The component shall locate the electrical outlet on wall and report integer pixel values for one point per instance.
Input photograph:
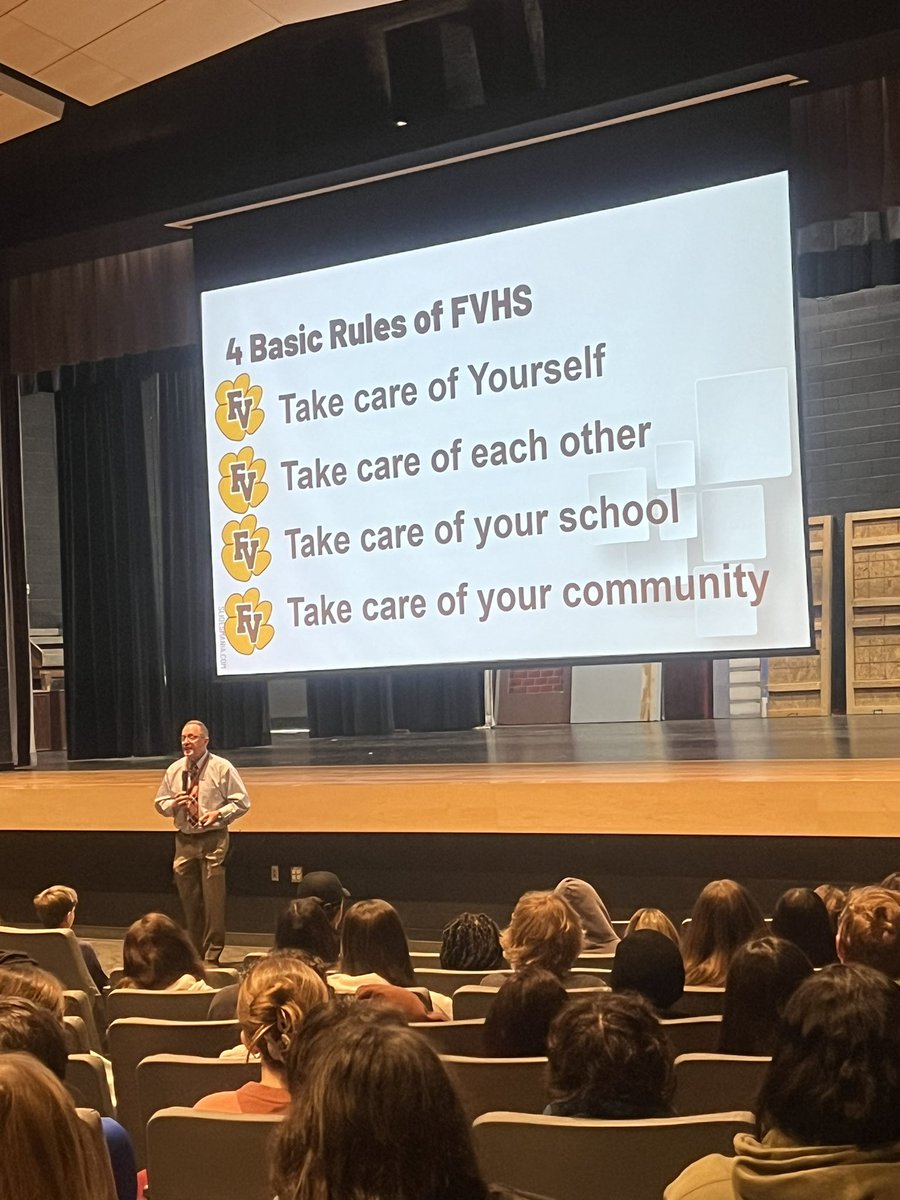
(296, 874)
(274, 873)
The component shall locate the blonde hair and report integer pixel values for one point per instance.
(653, 918)
(34, 983)
(544, 931)
(47, 1154)
(274, 999)
(869, 930)
(54, 904)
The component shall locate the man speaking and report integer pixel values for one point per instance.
(203, 794)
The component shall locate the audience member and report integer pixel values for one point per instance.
(27, 1027)
(325, 886)
(48, 1152)
(869, 930)
(373, 1115)
(801, 917)
(276, 995)
(763, 975)
(892, 881)
(55, 909)
(304, 925)
(652, 918)
(649, 963)
(471, 942)
(544, 932)
(520, 1015)
(829, 1109)
(159, 956)
(301, 925)
(34, 983)
(610, 1058)
(834, 899)
(725, 916)
(592, 913)
(374, 950)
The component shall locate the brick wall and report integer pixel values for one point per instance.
(850, 400)
(536, 680)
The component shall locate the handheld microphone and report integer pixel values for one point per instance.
(185, 780)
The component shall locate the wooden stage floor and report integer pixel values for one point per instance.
(838, 778)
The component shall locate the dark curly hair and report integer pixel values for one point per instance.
(610, 1058)
(835, 1073)
(471, 942)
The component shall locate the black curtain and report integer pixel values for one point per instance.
(371, 702)
(137, 592)
(115, 673)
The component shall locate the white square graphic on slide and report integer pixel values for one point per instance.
(744, 426)
(686, 525)
(731, 616)
(620, 489)
(733, 522)
(674, 463)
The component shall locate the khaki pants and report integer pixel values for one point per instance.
(200, 878)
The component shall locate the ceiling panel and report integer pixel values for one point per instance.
(77, 22)
(175, 34)
(85, 79)
(25, 49)
(17, 118)
(290, 11)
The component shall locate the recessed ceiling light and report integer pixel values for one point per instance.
(401, 124)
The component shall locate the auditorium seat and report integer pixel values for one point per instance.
(706, 1083)
(180, 1080)
(159, 1006)
(453, 1037)
(447, 982)
(87, 1083)
(572, 1159)
(216, 977)
(209, 1156)
(77, 1038)
(57, 951)
(79, 1004)
(694, 1035)
(470, 1001)
(702, 1001)
(498, 1084)
(134, 1038)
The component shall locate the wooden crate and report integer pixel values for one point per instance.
(800, 685)
(872, 615)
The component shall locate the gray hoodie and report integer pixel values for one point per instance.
(592, 915)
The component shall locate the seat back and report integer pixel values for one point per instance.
(473, 1001)
(708, 1083)
(446, 982)
(180, 1080)
(693, 1035)
(592, 960)
(702, 1002)
(88, 1085)
(209, 1156)
(80, 1004)
(57, 951)
(429, 960)
(77, 1039)
(571, 1159)
(134, 1038)
(159, 1006)
(498, 1084)
(453, 1037)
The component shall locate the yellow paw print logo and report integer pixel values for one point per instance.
(237, 407)
(244, 552)
(247, 621)
(241, 485)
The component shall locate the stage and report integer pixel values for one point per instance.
(440, 822)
